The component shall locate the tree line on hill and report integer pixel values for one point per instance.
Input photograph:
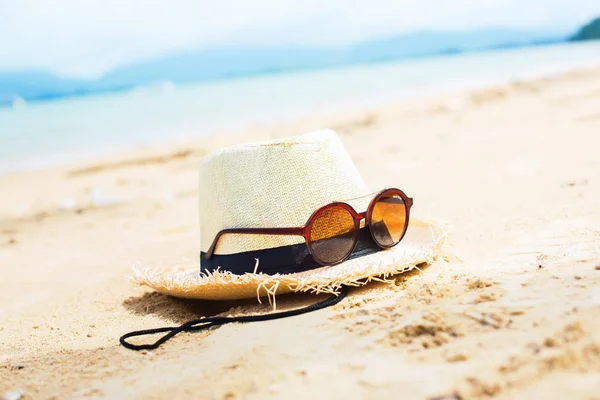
(590, 31)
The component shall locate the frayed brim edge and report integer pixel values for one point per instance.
(185, 281)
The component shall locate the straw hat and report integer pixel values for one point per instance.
(281, 183)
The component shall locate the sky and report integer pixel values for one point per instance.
(86, 38)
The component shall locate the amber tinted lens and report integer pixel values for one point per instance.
(388, 220)
(332, 235)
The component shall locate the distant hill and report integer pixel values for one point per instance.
(428, 43)
(41, 86)
(236, 62)
(35, 84)
(227, 63)
(590, 31)
(223, 63)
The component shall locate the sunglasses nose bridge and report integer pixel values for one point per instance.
(360, 217)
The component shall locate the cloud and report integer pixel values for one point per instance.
(88, 37)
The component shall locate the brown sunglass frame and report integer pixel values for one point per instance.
(304, 231)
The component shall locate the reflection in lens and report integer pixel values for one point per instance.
(388, 220)
(332, 235)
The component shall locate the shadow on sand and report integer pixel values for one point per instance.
(182, 310)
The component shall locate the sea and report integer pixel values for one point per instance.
(37, 135)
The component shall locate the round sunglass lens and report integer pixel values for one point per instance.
(388, 220)
(332, 235)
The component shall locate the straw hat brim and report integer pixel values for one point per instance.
(422, 244)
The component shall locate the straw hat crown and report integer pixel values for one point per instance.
(270, 185)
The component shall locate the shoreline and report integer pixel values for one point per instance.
(155, 147)
(82, 133)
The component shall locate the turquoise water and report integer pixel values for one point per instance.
(72, 129)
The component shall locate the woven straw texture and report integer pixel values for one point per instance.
(271, 185)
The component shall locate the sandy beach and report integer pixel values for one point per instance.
(510, 310)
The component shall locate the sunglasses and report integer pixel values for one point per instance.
(332, 231)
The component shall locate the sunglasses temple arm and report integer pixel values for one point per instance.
(297, 231)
